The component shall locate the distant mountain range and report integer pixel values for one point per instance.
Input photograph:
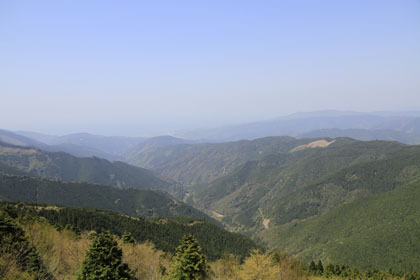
(391, 126)
(316, 191)
(300, 123)
(365, 135)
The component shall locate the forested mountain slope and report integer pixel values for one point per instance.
(74, 169)
(194, 164)
(133, 202)
(164, 233)
(309, 202)
(382, 230)
(263, 189)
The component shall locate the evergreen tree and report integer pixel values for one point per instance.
(320, 268)
(189, 262)
(14, 244)
(104, 261)
(127, 238)
(312, 267)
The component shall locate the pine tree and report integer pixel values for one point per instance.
(127, 238)
(320, 268)
(104, 261)
(14, 244)
(189, 262)
(312, 267)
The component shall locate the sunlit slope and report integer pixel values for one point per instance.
(278, 187)
(195, 164)
(382, 230)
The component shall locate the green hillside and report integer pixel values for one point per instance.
(194, 164)
(310, 202)
(270, 188)
(350, 183)
(69, 168)
(164, 233)
(133, 202)
(382, 230)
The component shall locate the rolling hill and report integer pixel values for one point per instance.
(195, 164)
(329, 199)
(164, 233)
(379, 231)
(137, 203)
(260, 189)
(69, 168)
(25, 140)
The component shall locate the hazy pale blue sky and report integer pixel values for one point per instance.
(141, 67)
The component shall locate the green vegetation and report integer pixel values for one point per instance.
(104, 261)
(304, 202)
(17, 255)
(165, 233)
(194, 164)
(143, 203)
(334, 200)
(380, 231)
(69, 168)
(270, 188)
(64, 254)
(189, 262)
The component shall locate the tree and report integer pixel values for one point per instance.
(16, 252)
(127, 238)
(189, 262)
(320, 268)
(312, 267)
(262, 266)
(103, 261)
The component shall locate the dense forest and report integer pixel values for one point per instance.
(133, 202)
(68, 168)
(50, 242)
(345, 203)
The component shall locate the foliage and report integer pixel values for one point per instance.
(145, 203)
(145, 261)
(104, 261)
(347, 272)
(68, 168)
(165, 233)
(62, 253)
(16, 253)
(278, 184)
(189, 262)
(379, 231)
(128, 238)
(196, 164)
(265, 266)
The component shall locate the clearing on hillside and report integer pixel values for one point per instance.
(315, 144)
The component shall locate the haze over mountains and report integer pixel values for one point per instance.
(399, 126)
(300, 123)
(316, 191)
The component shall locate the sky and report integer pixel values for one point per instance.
(140, 68)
